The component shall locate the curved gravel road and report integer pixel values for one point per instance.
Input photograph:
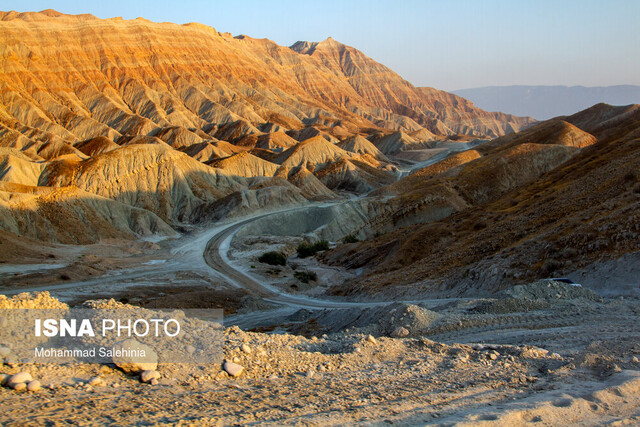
(215, 255)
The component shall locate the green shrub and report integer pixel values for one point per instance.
(308, 249)
(273, 258)
(351, 238)
(306, 276)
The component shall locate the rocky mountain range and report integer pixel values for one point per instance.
(128, 128)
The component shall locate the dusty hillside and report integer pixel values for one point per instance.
(247, 165)
(360, 145)
(522, 211)
(72, 216)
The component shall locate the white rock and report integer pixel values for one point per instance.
(18, 386)
(146, 361)
(190, 349)
(400, 332)
(22, 377)
(635, 359)
(148, 376)
(96, 382)
(34, 386)
(245, 348)
(154, 381)
(4, 351)
(232, 369)
(371, 339)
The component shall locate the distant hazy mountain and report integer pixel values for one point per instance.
(544, 102)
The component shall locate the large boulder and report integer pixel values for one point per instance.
(134, 357)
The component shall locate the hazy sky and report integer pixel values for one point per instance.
(445, 44)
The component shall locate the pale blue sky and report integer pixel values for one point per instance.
(445, 44)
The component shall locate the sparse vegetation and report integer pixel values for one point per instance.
(550, 266)
(273, 258)
(309, 249)
(479, 225)
(306, 276)
(351, 238)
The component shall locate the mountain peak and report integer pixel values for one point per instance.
(308, 48)
(304, 47)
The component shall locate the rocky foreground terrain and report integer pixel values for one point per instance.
(353, 376)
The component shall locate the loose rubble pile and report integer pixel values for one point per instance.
(41, 300)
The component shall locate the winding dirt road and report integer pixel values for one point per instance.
(215, 257)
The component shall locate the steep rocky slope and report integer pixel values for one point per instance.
(360, 145)
(72, 216)
(520, 211)
(82, 77)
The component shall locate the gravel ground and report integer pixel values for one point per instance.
(352, 377)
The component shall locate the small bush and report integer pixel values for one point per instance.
(306, 276)
(550, 266)
(351, 238)
(479, 225)
(309, 249)
(273, 258)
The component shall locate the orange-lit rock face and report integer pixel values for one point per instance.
(134, 126)
(73, 78)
